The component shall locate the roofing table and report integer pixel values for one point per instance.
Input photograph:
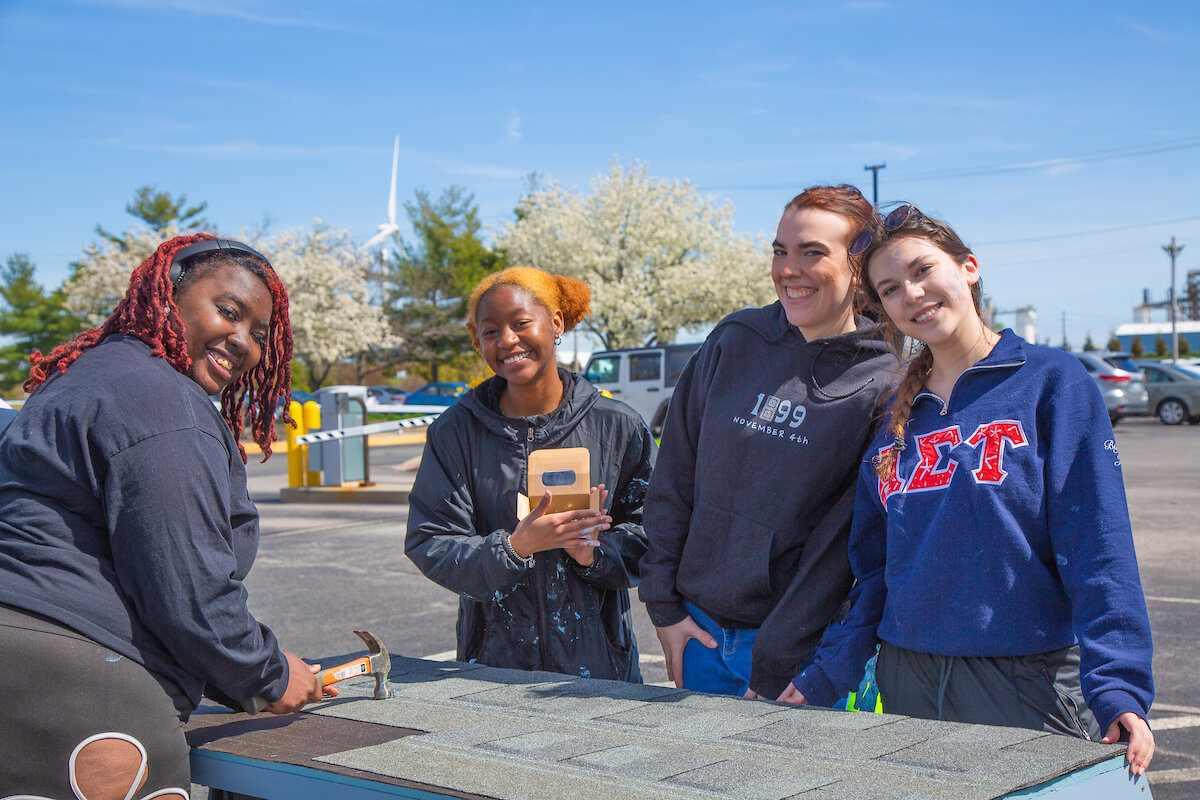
(469, 731)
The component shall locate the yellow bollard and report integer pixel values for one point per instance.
(312, 422)
(296, 454)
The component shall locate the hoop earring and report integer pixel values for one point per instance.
(557, 341)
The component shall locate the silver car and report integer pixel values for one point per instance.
(1124, 391)
(1174, 391)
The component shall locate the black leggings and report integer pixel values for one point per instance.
(62, 689)
(1038, 691)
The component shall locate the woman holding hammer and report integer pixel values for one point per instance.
(126, 529)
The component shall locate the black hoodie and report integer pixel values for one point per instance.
(557, 615)
(749, 508)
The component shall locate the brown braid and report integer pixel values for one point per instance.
(942, 236)
(146, 313)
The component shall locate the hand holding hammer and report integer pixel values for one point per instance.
(308, 683)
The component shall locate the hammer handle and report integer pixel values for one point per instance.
(351, 669)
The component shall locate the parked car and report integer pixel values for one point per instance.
(643, 377)
(443, 393)
(1174, 391)
(386, 395)
(1124, 390)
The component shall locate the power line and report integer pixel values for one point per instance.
(1091, 232)
(969, 172)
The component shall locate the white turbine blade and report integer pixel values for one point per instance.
(378, 238)
(392, 195)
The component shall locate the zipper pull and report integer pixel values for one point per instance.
(530, 434)
(945, 410)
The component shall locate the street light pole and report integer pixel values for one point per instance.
(875, 182)
(1173, 250)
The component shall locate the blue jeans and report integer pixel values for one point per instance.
(725, 669)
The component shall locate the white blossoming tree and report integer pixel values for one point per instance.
(325, 272)
(323, 268)
(101, 277)
(658, 256)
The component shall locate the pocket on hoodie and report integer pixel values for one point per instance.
(726, 564)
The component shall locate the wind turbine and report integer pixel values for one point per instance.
(389, 228)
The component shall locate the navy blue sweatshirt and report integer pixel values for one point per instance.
(1002, 531)
(124, 515)
(748, 513)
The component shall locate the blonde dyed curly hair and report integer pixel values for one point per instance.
(555, 292)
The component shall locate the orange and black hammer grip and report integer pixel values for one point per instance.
(351, 669)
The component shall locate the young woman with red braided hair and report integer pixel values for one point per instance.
(533, 594)
(991, 537)
(126, 529)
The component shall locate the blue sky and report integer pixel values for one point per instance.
(1024, 124)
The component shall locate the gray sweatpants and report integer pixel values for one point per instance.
(1039, 691)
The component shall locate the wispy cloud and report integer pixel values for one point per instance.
(244, 148)
(1145, 30)
(933, 100)
(230, 149)
(226, 10)
(514, 127)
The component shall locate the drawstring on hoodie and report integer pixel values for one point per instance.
(812, 375)
(947, 666)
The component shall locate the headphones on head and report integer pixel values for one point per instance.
(193, 250)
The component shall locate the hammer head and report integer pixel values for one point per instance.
(381, 663)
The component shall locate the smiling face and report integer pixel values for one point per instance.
(925, 292)
(811, 270)
(226, 313)
(516, 335)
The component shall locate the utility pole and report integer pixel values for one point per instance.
(1065, 345)
(875, 182)
(1173, 250)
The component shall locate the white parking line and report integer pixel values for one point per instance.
(1176, 709)
(1189, 600)
(1175, 723)
(1183, 775)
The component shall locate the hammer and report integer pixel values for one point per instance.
(376, 662)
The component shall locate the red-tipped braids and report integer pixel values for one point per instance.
(148, 312)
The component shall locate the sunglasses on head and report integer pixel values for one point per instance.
(891, 222)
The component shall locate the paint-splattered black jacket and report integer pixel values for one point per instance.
(555, 615)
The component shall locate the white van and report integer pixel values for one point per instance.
(643, 377)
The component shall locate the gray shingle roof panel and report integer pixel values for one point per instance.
(508, 734)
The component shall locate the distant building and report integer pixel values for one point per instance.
(1149, 331)
(1187, 318)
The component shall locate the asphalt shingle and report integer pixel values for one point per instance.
(508, 734)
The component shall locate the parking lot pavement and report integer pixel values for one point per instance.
(325, 570)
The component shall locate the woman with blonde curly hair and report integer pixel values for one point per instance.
(536, 593)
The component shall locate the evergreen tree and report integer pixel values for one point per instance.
(1088, 346)
(1160, 346)
(1114, 344)
(31, 317)
(158, 210)
(424, 291)
(1185, 349)
(1136, 348)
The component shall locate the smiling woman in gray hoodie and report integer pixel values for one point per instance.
(748, 513)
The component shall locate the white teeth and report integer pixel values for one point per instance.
(515, 359)
(796, 293)
(925, 314)
(222, 362)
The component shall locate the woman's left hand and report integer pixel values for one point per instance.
(1141, 741)
(584, 553)
(792, 695)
